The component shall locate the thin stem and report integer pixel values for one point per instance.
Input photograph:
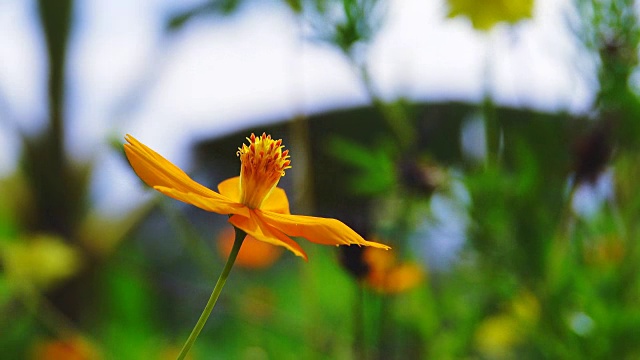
(240, 235)
(397, 122)
(384, 340)
(490, 117)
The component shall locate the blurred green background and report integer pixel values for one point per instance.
(514, 230)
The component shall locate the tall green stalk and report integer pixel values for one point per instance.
(240, 235)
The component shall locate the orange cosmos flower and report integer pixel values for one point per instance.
(253, 201)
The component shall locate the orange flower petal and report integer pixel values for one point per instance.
(159, 173)
(230, 188)
(155, 170)
(255, 227)
(220, 206)
(254, 254)
(316, 229)
(276, 201)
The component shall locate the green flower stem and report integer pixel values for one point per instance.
(240, 235)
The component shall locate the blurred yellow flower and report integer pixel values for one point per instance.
(526, 307)
(253, 201)
(253, 255)
(497, 335)
(385, 275)
(484, 15)
(40, 260)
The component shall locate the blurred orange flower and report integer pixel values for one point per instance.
(74, 348)
(255, 204)
(387, 276)
(254, 255)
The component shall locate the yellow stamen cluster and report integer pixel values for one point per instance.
(263, 164)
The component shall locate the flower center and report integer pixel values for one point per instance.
(263, 164)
